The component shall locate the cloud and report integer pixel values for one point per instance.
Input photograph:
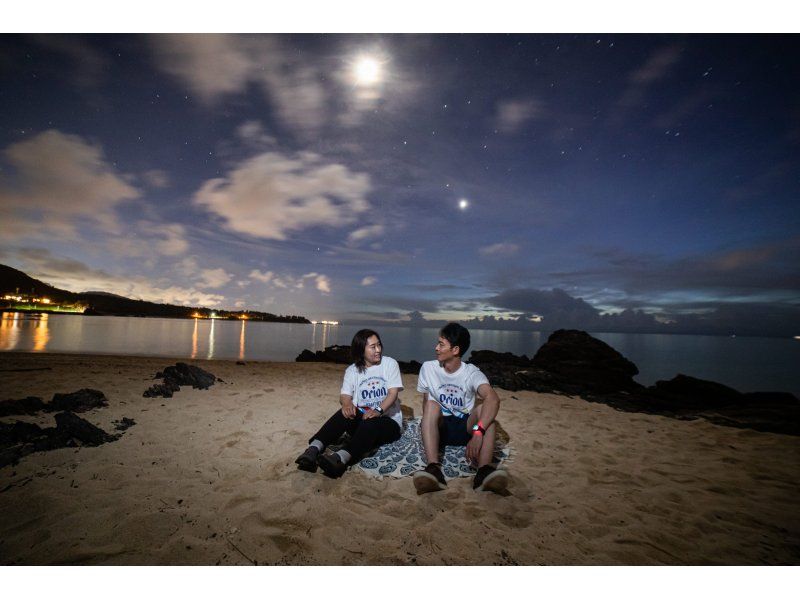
(322, 282)
(271, 195)
(72, 275)
(499, 249)
(218, 65)
(59, 180)
(214, 278)
(556, 307)
(252, 134)
(89, 63)
(368, 281)
(260, 276)
(657, 66)
(366, 232)
(512, 115)
(157, 179)
(172, 241)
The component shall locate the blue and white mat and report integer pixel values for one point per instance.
(406, 455)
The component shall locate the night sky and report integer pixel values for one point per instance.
(607, 182)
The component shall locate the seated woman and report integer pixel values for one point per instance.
(370, 409)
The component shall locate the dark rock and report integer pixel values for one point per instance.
(71, 427)
(479, 358)
(409, 367)
(123, 424)
(162, 390)
(26, 406)
(18, 432)
(79, 401)
(772, 398)
(579, 360)
(332, 354)
(241, 363)
(180, 374)
(22, 438)
(686, 391)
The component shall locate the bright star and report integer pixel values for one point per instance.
(463, 204)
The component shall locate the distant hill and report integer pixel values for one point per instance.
(13, 281)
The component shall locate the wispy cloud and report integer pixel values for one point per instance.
(271, 195)
(218, 65)
(57, 181)
(368, 281)
(499, 250)
(513, 115)
(367, 232)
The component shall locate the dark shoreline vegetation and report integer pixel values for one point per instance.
(573, 363)
(108, 304)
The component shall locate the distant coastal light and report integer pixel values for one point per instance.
(325, 322)
(797, 338)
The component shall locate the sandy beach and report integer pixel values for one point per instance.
(207, 477)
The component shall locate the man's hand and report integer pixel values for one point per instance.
(370, 413)
(474, 447)
(348, 408)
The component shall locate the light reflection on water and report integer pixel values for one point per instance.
(747, 364)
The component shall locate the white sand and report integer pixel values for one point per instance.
(208, 477)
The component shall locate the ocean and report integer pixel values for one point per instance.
(744, 363)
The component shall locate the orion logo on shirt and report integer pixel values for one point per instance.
(373, 389)
(451, 395)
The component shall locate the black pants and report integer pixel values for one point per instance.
(365, 434)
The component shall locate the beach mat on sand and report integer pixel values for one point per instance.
(406, 455)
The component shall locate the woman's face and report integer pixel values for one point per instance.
(373, 350)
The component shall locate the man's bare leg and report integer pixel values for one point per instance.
(495, 481)
(431, 417)
(431, 478)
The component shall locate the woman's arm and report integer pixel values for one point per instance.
(391, 397)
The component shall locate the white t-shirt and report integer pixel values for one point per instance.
(454, 392)
(370, 387)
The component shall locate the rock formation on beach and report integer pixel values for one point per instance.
(180, 374)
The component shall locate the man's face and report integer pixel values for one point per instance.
(444, 350)
(373, 350)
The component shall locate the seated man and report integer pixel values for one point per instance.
(451, 417)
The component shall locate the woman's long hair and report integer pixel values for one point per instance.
(358, 346)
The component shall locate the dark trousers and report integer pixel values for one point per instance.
(365, 434)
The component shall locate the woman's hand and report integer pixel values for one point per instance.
(370, 413)
(348, 408)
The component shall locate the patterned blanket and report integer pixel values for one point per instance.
(406, 455)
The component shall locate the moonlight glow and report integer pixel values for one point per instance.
(367, 71)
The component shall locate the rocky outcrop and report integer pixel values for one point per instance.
(180, 374)
(79, 401)
(578, 360)
(332, 354)
(22, 438)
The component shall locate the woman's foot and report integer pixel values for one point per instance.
(308, 460)
(332, 465)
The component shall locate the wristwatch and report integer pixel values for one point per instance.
(478, 429)
(379, 409)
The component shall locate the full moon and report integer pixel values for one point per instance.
(463, 204)
(367, 71)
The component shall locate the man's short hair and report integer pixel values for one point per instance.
(457, 336)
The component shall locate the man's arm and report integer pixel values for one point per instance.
(491, 404)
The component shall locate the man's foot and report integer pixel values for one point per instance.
(332, 465)
(308, 460)
(490, 478)
(430, 479)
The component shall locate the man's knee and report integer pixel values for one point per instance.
(431, 411)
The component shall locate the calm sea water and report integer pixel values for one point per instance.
(747, 364)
